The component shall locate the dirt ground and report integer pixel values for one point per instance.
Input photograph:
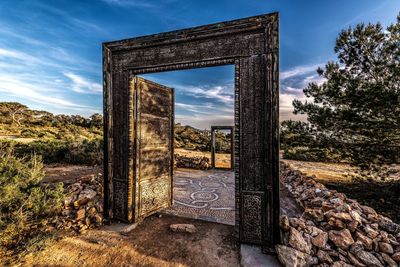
(152, 243)
(69, 173)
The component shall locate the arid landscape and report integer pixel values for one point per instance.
(316, 180)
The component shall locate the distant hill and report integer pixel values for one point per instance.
(20, 123)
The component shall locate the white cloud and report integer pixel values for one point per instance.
(298, 71)
(37, 93)
(17, 55)
(205, 122)
(222, 93)
(292, 83)
(82, 85)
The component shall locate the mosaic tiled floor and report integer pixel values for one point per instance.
(206, 195)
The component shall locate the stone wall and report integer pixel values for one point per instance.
(201, 163)
(83, 206)
(334, 230)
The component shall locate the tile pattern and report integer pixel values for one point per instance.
(207, 195)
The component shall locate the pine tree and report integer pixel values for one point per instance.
(357, 108)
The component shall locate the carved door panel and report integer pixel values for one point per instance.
(153, 145)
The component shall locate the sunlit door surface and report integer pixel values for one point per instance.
(154, 120)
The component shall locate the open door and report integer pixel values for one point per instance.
(153, 146)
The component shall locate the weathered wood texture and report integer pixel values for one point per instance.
(250, 44)
(154, 124)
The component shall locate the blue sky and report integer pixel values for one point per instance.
(50, 51)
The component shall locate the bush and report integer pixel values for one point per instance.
(312, 154)
(29, 133)
(24, 200)
(88, 152)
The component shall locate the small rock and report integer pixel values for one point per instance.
(396, 256)
(356, 216)
(355, 261)
(98, 218)
(297, 241)
(314, 214)
(320, 240)
(389, 260)
(341, 264)
(352, 226)
(385, 248)
(342, 238)
(356, 247)
(343, 216)
(389, 226)
(284, 223)
(336, 201)
(183, 228)
(368, 258)
(371, 232)
(368, 210)
(374, 226)
(84, 197)
(80, 214)
(291, 257)
(366, 241)
(324, 257)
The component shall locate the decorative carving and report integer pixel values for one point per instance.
(252, 45)
(154, 194)
(120, 199)
(252, 220)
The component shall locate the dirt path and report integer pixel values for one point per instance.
(70, 173)
(150, 244)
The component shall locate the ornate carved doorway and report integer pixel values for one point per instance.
(251, 44)
(214, 129)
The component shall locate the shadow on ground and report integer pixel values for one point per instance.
(150, 244)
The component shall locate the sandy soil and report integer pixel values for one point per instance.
(69, 173)
(325, 172)
(150, 244)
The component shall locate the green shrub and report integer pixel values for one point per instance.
(312, 154)
(85, 152)
(88, 152)
(29, 133)
(24, 200)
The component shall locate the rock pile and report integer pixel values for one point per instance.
(201, 163)
(334, 230)
(83, 206)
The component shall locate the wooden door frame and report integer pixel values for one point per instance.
(252, 45)
(213, 129)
